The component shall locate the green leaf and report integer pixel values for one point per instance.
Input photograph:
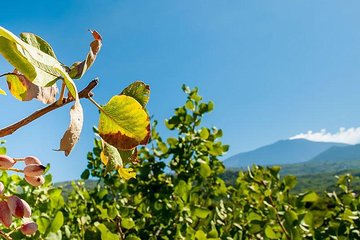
(54, 236)
(182, 190)
(269, 232)
(200, 235)
(113, 158)
(124, 123)
(37, 66)
(85, 174)
(57, 222)
(37, 42)
(2, 150)
(290, 182)
(310, 197)
(43, 224)
(204, 133)
(253, 217)
(290, 217)
(127, 223)
(132, 237)
(56, 199)
(201, 212)
(105, 232)
(205, 170)
(139, 91)
(190, 105)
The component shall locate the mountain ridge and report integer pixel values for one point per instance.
(280, 153)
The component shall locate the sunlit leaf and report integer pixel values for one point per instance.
(124, 123)
(127, 173)
(105, 232)
(37, 66)
(57, 222)
(2, 92)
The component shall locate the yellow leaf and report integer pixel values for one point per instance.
(127, 173)
(124, 123)
(103, 158)
(2, 92)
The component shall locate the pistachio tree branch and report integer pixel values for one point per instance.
(85, 93)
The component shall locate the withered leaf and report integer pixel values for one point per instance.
(24, 90)
(78, 69)
(72, 134)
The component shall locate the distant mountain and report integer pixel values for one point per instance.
(333, 160)
(338, 154)
(281, 152)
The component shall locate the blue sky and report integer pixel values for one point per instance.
(274, 69)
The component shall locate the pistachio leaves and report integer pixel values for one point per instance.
(34, 64)
(123, 125)
(36, 72)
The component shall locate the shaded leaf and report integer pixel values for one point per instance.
(78, 69)
(114, 160)
(37, 42)
(110, 156)
(124, 123)
(138, 90)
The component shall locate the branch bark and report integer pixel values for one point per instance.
(85, 93)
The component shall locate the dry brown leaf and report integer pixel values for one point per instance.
(72, 134)
(24, 90)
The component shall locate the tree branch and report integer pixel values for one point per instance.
(85, 93)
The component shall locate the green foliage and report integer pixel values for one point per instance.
(193, 202)
(47, 201)
(179, 193)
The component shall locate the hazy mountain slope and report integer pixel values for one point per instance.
(339, 153)
(334, 159)
(281, 152)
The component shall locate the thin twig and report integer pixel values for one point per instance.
(272, 203)
(12, 169)
(4, 235)
(85, 93)
(118, 227)
(95, 103)
(62, 91)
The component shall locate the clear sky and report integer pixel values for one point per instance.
(274, 69)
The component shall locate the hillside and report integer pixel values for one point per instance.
(334, 159)
(281, 152)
